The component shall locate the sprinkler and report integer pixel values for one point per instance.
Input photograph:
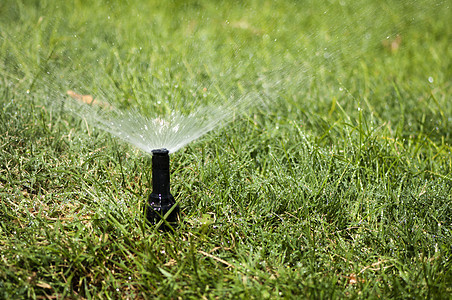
(161, 201)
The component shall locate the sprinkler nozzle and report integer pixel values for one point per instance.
(161, 201)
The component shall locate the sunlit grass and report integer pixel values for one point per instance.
(338, 184)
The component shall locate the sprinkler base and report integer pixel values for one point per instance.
(161, 203)
(157, 208)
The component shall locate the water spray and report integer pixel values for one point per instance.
(161, 203)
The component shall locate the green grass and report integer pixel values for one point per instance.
(339, 185)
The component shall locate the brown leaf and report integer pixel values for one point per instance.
(87, 99)
(171, 262)
(392, 44)
(216, 258)
(44, 285)
(352, 279)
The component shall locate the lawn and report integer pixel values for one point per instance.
(327, 172)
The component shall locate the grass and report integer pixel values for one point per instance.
(340, 185)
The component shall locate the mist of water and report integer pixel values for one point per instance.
(172, 131)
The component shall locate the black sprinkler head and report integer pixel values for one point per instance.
(161, 201)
